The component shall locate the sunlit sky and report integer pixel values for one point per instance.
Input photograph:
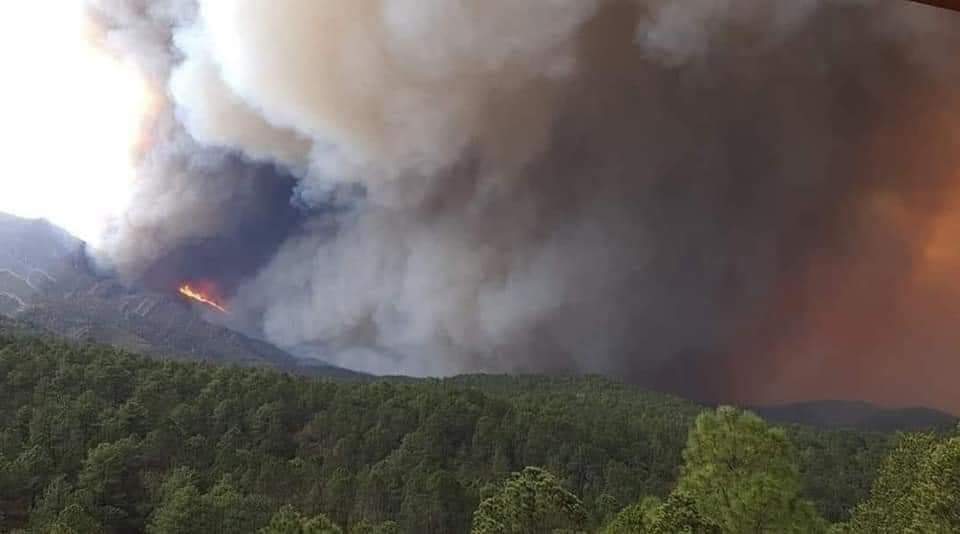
(69, 118)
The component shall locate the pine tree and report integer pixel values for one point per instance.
(918, 490)
(530, 502)
(742, 476)
(290, 521)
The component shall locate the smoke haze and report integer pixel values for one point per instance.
(733, 199)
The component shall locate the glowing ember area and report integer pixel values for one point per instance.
(198, 296)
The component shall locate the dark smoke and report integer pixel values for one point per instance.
(264, 217)
(729, 198)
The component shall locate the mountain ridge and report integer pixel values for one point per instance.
(46, 281)
(48, 286)
(859, 415)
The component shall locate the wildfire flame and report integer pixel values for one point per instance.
(198, 296)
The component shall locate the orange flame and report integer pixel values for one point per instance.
(199, 296)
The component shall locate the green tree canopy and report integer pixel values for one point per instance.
(918, 490)
(634, 519)
(99, 440)
(290, 521)
(530, 502)
(180, 509)
(743, 477)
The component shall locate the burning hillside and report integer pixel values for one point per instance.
(198, 295)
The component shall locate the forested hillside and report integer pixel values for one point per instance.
(94, 439)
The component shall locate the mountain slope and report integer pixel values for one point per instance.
(857, 415)
(46, 281)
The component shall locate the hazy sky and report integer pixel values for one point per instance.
(69, 116)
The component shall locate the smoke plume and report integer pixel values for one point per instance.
(729, 198)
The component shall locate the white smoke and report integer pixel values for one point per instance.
(552, 184)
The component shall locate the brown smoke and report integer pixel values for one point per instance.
(756, 193)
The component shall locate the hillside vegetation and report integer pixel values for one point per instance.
(94, 439)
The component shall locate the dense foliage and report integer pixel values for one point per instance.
(918, 490)
(94, 439)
